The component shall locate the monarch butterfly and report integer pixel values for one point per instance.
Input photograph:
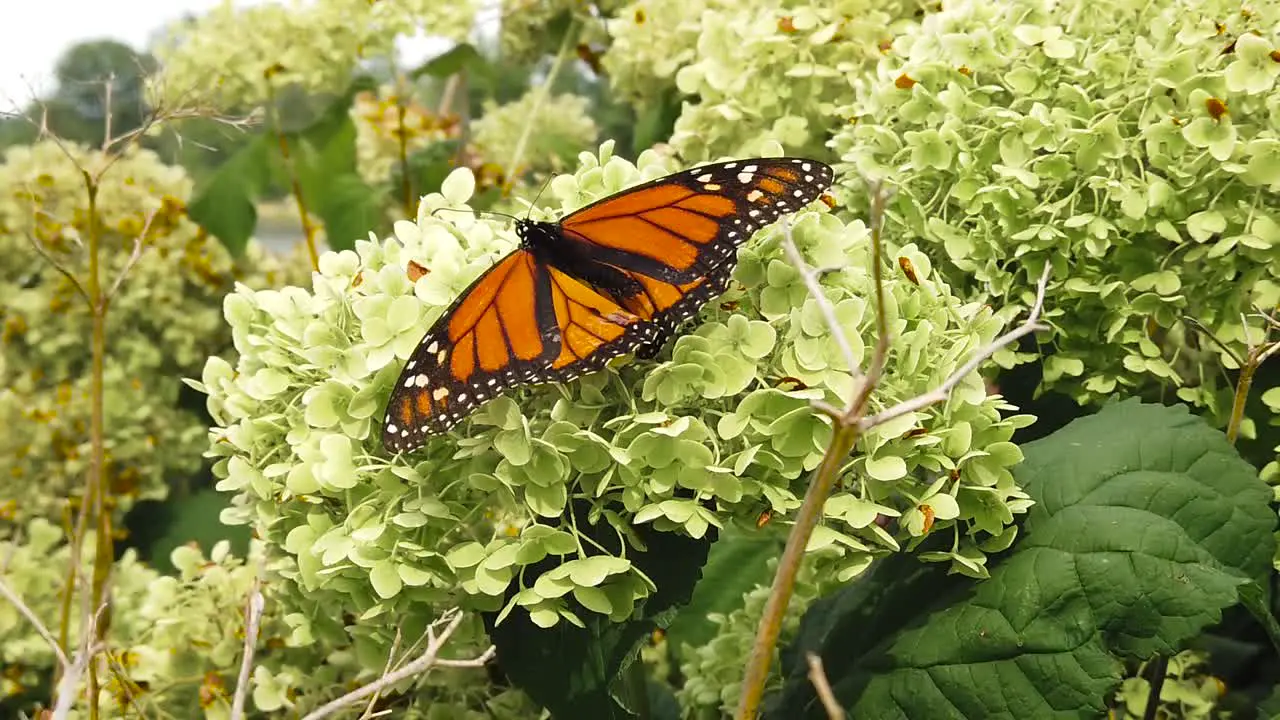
(616, 276)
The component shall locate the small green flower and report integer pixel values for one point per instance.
(390, 327)
(1255, 68)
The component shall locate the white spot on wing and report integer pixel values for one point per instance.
(440, 394)
(745, 177)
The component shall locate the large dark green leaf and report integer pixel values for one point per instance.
(656, 121)
(738, 562)
(324, 162)
(579, 673)
(1146, 525)
(427, 169)
(349, 209)
(225, 206)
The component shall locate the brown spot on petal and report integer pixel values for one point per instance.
(415, 271)
(909, 270)
(1217, 108)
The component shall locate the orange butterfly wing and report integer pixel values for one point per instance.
(681, 227)
(616, 276)
(490, 338)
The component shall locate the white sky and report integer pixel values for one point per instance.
(35, 33)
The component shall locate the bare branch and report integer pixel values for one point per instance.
(69, 685)
(818, 676)
(391, 662)
(66, 272)
(108, 86)
(254, 606)
(1270, 350)
(847, 427)
(133, 256)
(429, 659)
(1196, 324)
(940, 393)
(8, 594)
(879, 356)
(828, 310)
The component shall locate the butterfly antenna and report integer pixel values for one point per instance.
(476, 213)
(545, 183)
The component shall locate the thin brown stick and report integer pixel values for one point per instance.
(570, 35)
(66, 272)
(254, 605)
(880, 356)
(106, 110)
(429, 659)
(25, 611)
(308, 229)
(134, 256)
(386, 668)
(818, 676)
(68, 687)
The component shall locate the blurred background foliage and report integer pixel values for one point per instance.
(304, 144)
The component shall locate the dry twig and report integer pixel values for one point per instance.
(818, 676)
(254, 606)
(8, 594)
(430, 658)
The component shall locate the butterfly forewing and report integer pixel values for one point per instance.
(680, 227)
(614, 277)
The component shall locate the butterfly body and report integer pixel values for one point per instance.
(616, 276)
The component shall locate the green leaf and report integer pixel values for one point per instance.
(455, 59)
(655, 122)
(225, 206)
(386, 579)
(737, 563)
(323, 155)
(576, 672)
(1146, 525)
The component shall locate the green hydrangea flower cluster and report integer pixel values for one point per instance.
(554, 133)
(241, 56)
(163, 323)
(37, 558)
(1271, 473)
(380, 127)
(756, 72)
(713, 672)
(525, 37)
(1140, 158)
(1189, 690)
(175, 641)
(715, 433)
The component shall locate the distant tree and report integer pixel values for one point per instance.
(77, 109)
